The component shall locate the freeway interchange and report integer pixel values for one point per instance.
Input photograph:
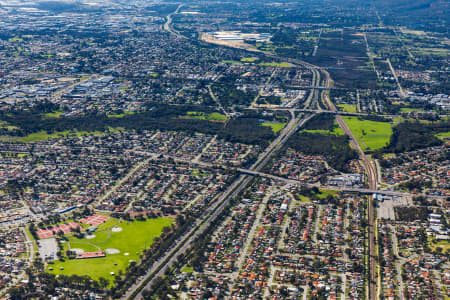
(319, 91)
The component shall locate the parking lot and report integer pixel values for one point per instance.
(48, 248)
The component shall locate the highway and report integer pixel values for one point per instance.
(168, 25)
(184, 243)
(165, 262)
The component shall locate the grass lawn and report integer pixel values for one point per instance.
(276, 64)
(347, 107)
(398, 119)
(43, 136)
(133, 239)
(127, 113)
(276, 127)
(6, 125)
(302, 198)
(433, 244)
(53, 114)
(371, 135)
(249, 59)
(15, 39)
(187, 269)
(231, 62)
(336, 131)
(215, 116)
(408, 109)
(324, 193)
(443, 136)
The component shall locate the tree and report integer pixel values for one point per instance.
(17, 293)
(103, 282)
(71, 254)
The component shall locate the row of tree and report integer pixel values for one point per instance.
(245, 129)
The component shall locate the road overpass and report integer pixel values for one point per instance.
(325, 187)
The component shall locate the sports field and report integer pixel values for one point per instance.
(371, 135)
(128, 239)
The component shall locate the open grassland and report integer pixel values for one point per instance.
(442, 244)
(187, 269)
(322, 194)
(231, 62)
(371, 135)
(130, 242)
(15, 39)
(6, 125)
(444, 136)
(409, 109)
(276, 64)
(336, 130)
(53, 114)
(44, 136)
(276, 127)
(215, 116)
(249, 59)
(121, 115)
(347, 107)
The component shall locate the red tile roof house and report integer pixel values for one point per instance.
(90, 255)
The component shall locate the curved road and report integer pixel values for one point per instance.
(185, 242)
